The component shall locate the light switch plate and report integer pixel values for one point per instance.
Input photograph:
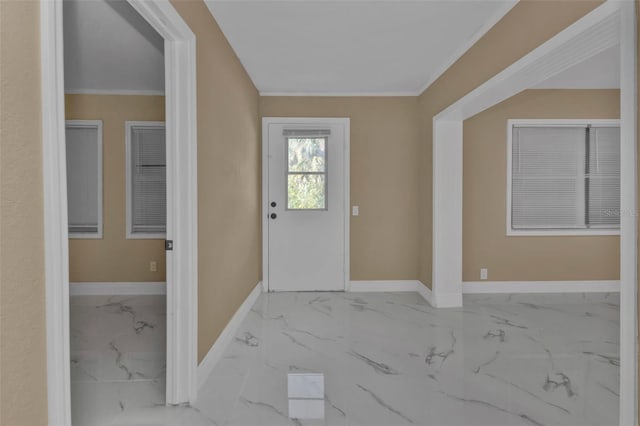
(355, 210)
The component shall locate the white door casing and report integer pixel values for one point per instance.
(181, 385)
(305, 250)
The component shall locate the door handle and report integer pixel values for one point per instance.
(273, 215)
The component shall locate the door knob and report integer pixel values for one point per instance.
(273, 215)
(273, 204)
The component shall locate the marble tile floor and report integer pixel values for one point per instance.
(118, 346)
(390, 359)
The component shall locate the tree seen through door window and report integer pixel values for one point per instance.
(306, 173)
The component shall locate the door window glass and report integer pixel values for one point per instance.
(306, 173)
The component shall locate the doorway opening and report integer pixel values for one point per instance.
(116, 207)
(178, 46)
(610, 25)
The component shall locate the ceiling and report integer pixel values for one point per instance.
(303, 47)
(109, 47)
(352, 46)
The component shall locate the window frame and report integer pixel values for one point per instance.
(511, 123)
(91, 124)
(130, 234)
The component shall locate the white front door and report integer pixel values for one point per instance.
(306, 203)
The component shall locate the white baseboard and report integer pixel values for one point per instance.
(215, 353)
(117, 288)
(391, 287)
(425, 292)
(486, 287)
(447, 300)
(382, 286)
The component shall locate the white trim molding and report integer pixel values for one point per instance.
(56, 236)
(629, 216)
(182, 197)
(447, 213)
(226, 337)
(180, 106)
(493, 287)
(117, 288)
(425, 292)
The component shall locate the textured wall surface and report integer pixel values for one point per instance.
(229, 189)
(484, 240)
(114, 258)
(384, 178)
(23, 383)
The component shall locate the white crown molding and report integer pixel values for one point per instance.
(491, 287)
(490, 23)
(114, 92)
(117, 288)
(226, 337)
(473, 39)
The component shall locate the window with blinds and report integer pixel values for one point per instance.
(564, 177)
(146, 180)
(84, 178)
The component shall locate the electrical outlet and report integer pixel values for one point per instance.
(153, 266)
(484, 273)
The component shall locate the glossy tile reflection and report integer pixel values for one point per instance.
(118, 346)
(306, 396)
(390, 359)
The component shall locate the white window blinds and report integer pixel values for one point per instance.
(565, 177)
(604, 177)
(84, 178)
(148, 200)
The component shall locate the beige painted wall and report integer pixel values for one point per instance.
(384, 178)
(529, 24)
(228, 138)
(485, 244)
(229, 189)
(114, 258)
(23, 390)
